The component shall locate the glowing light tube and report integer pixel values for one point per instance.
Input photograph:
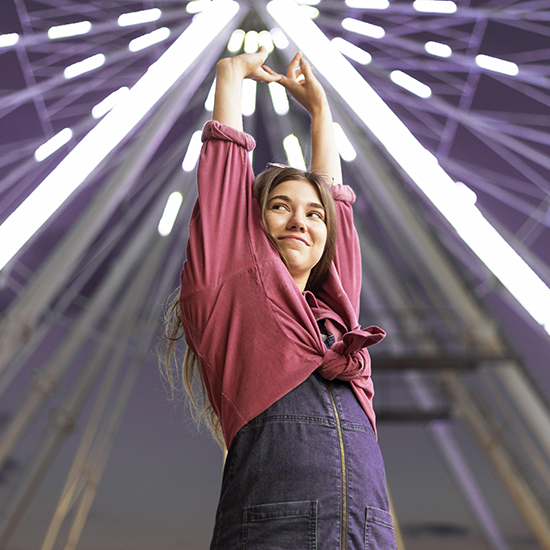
(364, 28)
(279, 38)
(279, 98)
(154, 37)
(251, 42)
(84, 66)
(8, 39)
(53, 144)
(438, 49)
(352, 51)
(293, 151)
(72, 29)
(264, 39)
(193, 152)
(170, 213)
(236, 41)
(368, 4)
(409, 83)
(73, 170)
(139, 17)
(497, 65)
(522, 282)
(435, 6)
(248, 105)
(209, 103)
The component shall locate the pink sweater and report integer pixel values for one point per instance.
(254, 332)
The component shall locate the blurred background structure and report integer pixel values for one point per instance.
(442, 110)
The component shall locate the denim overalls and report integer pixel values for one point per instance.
(307, 473)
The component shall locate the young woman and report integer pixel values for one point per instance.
(269, 303)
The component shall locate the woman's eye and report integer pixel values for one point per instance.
(317, 214)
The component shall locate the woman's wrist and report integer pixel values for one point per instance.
(230, 68)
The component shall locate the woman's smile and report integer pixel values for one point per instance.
(295, 238)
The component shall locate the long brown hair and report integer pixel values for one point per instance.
(191, 377)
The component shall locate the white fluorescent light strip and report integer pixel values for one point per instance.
(84, 66)
(103, 107)
(279, 98)
(251, 42)
(53, 144)
(264, 39)
(411, 84)
(193, 152)
(73, 170)
(249, 97)
(352, 51)
(308, 2)
(310, 11)
(279, 38)
(73, 29)
(139, 17)
(236, 41)
(196, 6)
(423, 168)
(361, 27)
(8, 39)
(345, 147)
(368, 4)
(497, 65)
(209, 103)
(438, 49)
(170, 213)
(294, 155)
(154, 37)
(434, 6)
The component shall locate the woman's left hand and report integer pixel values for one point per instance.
(307, 90)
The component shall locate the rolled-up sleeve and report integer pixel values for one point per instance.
(347, 259)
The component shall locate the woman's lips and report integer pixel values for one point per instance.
(294, 238)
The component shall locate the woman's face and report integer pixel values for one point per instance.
(295, 218)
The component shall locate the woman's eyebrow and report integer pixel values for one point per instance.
(288, 199)
(283, 197)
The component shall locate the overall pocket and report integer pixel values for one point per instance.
(379, 533)
(280, 525)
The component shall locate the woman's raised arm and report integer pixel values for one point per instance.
(230, 73)
(309, 92)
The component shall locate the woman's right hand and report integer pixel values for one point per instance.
(230, 73)
(249, 65)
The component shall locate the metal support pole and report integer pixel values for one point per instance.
(65, 416)
(45, 382)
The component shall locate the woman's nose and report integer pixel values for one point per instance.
(297, 221)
